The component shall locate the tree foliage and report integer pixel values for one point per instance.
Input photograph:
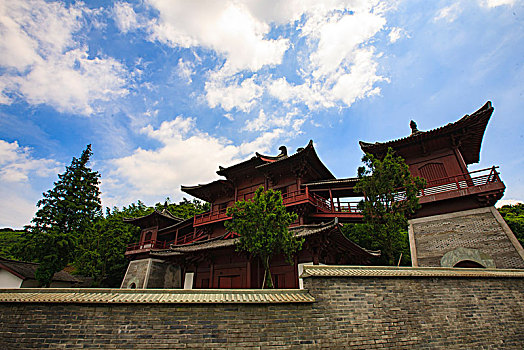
(262, 224)
(514, 217)
(66, 213)
(102, 250)
(390, 196)
(101, 253)
(8, 240)
(185, 209)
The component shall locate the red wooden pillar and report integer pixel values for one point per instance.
(248, 274)
(296, 271)
(331, 200)
(315, 257)
(212, 275)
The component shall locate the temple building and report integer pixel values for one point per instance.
(457, 225)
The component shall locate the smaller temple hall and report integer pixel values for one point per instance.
(456, 226)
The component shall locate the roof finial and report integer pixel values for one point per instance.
(413, 127)
(283, 151)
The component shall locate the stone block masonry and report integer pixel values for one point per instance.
(343, 307)
(479, 235)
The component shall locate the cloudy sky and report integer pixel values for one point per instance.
(166, 91)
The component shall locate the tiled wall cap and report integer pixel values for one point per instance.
(392, 271)
(156, 296)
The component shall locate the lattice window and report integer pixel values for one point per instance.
(433, 171)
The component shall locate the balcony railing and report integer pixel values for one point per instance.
(463, 181)
(445, 185)
(210, 216)
(147, 245)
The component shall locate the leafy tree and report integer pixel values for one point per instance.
(390, 195)
(101, 253)
(514, 217)
(101, 250)
(65, 214)
(262, 224)
(185, 209)
(8, 239)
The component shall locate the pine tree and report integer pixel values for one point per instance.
(66, 213)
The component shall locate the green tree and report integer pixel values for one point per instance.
(262, 224)
(66, 213)
(101, 253)
(8, 240)
(514, 217)
(185, 209)
(390, 196)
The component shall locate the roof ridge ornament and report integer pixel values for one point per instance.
(413, 126)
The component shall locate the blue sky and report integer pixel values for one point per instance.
(166, 91)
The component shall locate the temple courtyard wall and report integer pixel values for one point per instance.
(340, 307)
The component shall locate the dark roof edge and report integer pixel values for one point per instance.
(487, 107)
(161, 213)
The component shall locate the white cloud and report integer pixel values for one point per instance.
(448, 13)
(125, 17)
(229, 117)
(17, 164)
(504, 202)
(264, 122)
(186, 156)
(185, 70)
(231, 94)
(395, 34)
(18, 168)
(338, 34)
(496, 3)
(227, 27)
(43, 63)
(18, 206)
(339, 40)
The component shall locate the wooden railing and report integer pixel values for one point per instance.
(323, 205)
(462, 181)
(190, 238)
(151, 244)
(210, 216)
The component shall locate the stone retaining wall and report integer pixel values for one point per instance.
(362, 308)
(481, 232)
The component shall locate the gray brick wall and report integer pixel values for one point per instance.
(474, 229)
(349, 312)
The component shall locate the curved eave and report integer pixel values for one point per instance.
(249, 163)
(309, 152)
(166, 215)
(350, 181)
(331, 228)
(207, 192)
(186, 222)
(472, 126)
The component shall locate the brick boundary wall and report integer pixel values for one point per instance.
(363, 308)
